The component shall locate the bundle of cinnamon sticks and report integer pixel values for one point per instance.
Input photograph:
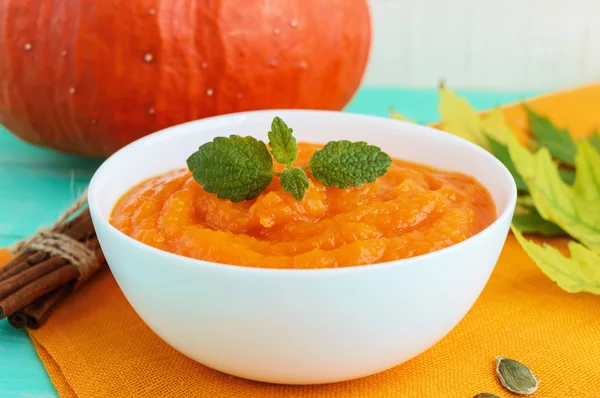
(36, 281)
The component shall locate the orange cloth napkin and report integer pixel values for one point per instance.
(94, 345)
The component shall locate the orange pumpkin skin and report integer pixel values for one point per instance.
(88, 77)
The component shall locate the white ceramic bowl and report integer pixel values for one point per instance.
(301, 326)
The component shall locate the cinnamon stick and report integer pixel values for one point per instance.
(36, 271)
(100, 259)
(31, 292)
(43, 285)
(22, 262)
(33, 283)
(42, 275)
(79, 228)
(37, 257)
(37, 312)
(14, 266)
(18, 320)
(16, 282)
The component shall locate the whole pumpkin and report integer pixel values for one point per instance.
(89, 76)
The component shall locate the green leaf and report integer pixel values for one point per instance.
(295, 181)
(528, 220)
(282, 142)
(343, 164)
(568, 176)
(595, 140)
(558, 141)
(579, 273)
(500, 151)
(235, 168)
(556, 201)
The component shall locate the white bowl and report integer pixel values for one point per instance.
(301, 326)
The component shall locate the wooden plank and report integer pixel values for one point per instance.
(34, 196)
(14, 151)
(21, 372)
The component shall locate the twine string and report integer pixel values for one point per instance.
(53, 241)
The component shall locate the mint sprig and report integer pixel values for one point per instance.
(295, 181)
(345, 164)
(235, 168)
(282, 142)
(240, 168)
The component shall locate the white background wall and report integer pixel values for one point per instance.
(485, 44)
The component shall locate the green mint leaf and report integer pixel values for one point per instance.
(558, 141)
(234, 167)
(295, 181)
(343, 164)
(282, 142)
(500, 151)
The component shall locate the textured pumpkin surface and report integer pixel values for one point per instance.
(88, 77)
(409, 211)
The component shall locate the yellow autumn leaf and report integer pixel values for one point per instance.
(461, 119)
(587, 179)
(521, 208)
(579, 273)
(397, 116)
(523, 205)
(494, 126)
(557, 202)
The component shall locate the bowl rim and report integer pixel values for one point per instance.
(405, 262)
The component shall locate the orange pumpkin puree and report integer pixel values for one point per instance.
(411, 210)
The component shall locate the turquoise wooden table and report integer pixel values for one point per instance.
(36, 185)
